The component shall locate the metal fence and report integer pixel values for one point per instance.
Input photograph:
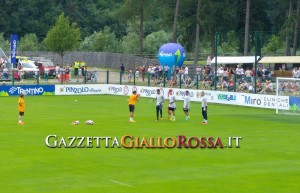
(196, 78)
(98, 59)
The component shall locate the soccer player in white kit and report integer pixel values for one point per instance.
(172, 106)
(186, 105)
(159, 103)
(204, 107)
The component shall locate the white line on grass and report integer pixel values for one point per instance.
(121, 183)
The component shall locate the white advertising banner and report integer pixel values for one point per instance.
(230, 98)
(264, 101)
(80, 89)
(150, 92)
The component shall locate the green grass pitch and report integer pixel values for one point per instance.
(268, 159)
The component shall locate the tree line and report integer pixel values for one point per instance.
(141, 26)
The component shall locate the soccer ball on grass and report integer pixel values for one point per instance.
(76, 123)
(89, 122)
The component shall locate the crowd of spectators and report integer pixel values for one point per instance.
(229, 77)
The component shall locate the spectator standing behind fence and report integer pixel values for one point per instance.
(95, 75)
(264, 70)
(198, 70)
(70, 74)
(122, 71)
(208, 61)
(248, 75)
(36, 75)
(46, 74)
(204, 72)
(259, 75)
(181, 75)
(227, 73)
(79, 76)
(20, 72)
(166, 69)
(283, 67)
(76, 67)
(298, 73)
(143, 70)
(5, 73)
(161, 71)
(57, 71)
(186, 71)
(156, 73)
(232, 72)
(62, 72)
(67, 73)
(173, 70)
(294, 73)
(83, 68)
(2, 61)
(239, 72)
(130, 75)
(137, 74)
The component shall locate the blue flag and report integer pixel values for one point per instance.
(13, 48)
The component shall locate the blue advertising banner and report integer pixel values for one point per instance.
(294, 103)
(27, 90)
(13, 48)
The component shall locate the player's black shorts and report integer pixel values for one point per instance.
(131, 108)
(159, 107)
(21, 113)
(186, 110)
(171, 109)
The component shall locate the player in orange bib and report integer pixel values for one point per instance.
(132, 100)
(21, 108)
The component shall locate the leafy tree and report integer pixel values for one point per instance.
(4, 44)
(174, 34)
(29, 42)
(196, 52)
(231, 44)
(154, 40)
(218, 16)
(130, 43)
(63, 37)
(246, 39)
(274, 45)
(134, 10)
(295, 44)
(103, 41)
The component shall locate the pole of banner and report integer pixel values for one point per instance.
(255, 65)
(62, 77)
(120, 78)
(38, 78)
(13, 77)
(133, 78)
(180, 80)
(164, 79)
(85, 76)
(107, 77)
(234, 88)
(216, 60)
(197, 81)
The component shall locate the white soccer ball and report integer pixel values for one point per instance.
(89, 122)
(76, 122)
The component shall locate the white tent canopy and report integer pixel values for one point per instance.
(234, 60)
(279, 59)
